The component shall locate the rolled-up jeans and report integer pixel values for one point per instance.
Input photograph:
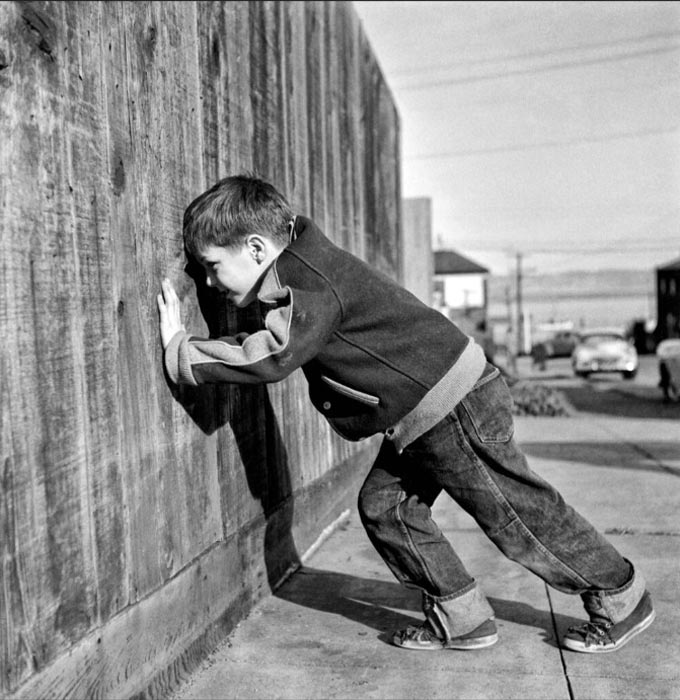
(471, 454)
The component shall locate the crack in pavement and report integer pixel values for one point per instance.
(631, 531)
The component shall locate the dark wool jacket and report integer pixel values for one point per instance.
(377, 359)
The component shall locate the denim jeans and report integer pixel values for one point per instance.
(471, 454)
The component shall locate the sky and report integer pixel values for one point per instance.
(545, 130)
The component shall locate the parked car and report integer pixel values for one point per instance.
(604, 350)
(668, 354)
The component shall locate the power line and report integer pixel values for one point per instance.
(613, 250)
(648, 83)
(538, 69)
(542, 144)
(534, 54)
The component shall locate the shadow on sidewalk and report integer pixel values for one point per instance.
(380, 605)
(645, 456)
(605, 396)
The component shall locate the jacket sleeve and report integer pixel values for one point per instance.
(298, 323)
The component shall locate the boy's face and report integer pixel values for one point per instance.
(234, 271)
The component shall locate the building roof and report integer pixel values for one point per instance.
(448, 262)
(673, 265)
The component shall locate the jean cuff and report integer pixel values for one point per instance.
(616, 604)
(457, 614)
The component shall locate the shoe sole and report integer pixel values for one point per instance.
(475, 643)
(460, 644)
(576, 646)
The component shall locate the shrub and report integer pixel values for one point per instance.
(534, 399)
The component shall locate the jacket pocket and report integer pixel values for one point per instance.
(489, 408)
(355, 394)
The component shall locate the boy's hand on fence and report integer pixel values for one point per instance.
(170, 316)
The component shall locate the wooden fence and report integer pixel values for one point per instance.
(140, 522)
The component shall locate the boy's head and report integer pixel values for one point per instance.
(235, 230)
(232, 209)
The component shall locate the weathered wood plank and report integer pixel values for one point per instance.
(53, 548)
(134, 343)
(85, 130)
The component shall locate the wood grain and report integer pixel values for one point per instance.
(119, 489)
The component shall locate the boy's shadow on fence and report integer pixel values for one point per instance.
(249, 412)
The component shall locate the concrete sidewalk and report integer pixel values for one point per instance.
(325, 633)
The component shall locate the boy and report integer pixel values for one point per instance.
(379, 361)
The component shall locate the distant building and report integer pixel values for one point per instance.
(460, 292)
(668, 300)
(459, 283)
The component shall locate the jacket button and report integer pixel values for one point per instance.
(326, 405)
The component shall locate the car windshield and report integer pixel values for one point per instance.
(600, 338)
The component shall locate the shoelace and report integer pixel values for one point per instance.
(595, 631)
(422, 633)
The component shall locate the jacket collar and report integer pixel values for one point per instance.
(306, 237)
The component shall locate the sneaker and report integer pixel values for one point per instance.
(424, 638)
(601, 635)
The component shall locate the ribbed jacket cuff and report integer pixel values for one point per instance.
(177, 362)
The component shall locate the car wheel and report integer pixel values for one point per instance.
(585, 375)
(629, 375)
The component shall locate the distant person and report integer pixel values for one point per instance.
(665, 382)
(378, 361)
(668, 354)
(539, 356)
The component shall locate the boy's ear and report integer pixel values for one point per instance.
(257, 247)
(261, 248)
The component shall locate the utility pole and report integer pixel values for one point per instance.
(520, 311)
